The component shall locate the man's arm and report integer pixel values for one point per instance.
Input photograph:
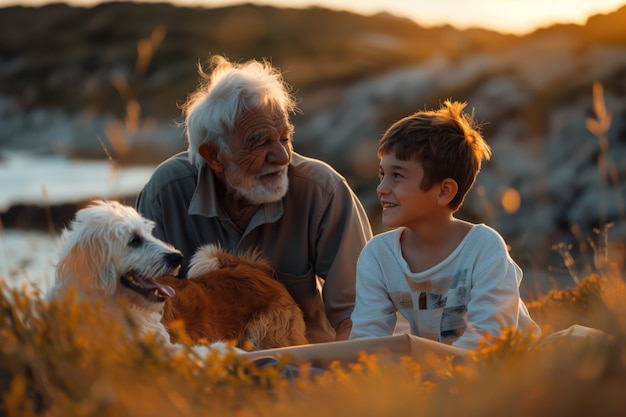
(343, 329)
(147, 207)
(345, 230)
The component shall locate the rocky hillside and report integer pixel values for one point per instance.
(84, 65)
(74, 79)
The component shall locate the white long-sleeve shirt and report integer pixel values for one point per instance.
(475, 290)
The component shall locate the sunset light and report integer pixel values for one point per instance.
(506, 16)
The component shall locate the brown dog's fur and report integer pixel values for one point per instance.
(230, 297)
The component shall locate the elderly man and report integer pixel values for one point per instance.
(241, 185)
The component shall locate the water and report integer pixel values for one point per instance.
(27, 256)
(43, 180)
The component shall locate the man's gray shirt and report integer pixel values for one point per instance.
(312, 237)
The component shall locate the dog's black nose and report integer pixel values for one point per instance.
(174, 258)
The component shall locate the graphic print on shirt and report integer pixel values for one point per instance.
(401, 300)
(441, 316)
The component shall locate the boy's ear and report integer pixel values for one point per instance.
(210, 153)
(447, 191)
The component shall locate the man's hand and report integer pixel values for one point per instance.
(343, 328)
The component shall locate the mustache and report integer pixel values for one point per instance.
(272, 169)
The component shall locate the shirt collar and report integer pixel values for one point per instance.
(204, 201)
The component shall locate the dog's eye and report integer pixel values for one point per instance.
(135, 241)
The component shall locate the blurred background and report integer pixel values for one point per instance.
(90, 95)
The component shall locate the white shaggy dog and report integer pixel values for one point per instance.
(109, 253)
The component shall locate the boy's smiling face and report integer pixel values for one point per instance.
(403, 201)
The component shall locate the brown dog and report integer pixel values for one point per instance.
(233, 297)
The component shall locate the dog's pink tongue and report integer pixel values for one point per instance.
(163, 289)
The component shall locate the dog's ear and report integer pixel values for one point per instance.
(73, 270)
(85, 261)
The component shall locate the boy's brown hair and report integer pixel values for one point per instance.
(447, 142)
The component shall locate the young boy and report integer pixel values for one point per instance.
(452, 280)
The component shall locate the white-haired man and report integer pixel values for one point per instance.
(241, 185)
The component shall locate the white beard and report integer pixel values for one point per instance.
(255, 188)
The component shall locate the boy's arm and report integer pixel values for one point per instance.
(494, 298)
(374, 313)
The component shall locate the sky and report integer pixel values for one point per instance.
(506, 16)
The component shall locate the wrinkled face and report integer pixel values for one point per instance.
(260, 154)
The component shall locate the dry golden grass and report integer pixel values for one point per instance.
(64, 359)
